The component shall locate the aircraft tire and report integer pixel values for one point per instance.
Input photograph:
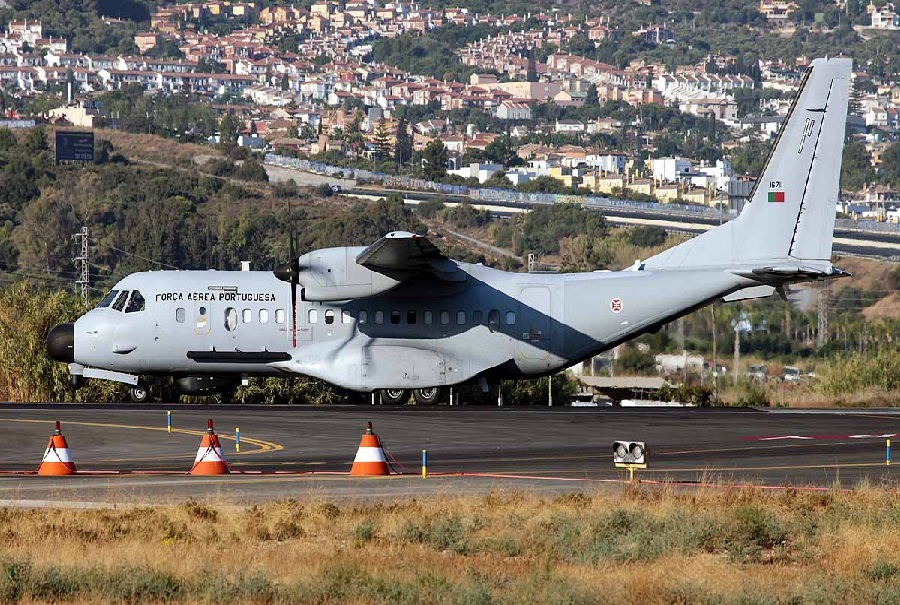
(394, 396)
(427, 396)
(139, 393)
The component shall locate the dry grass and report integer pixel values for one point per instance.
(154, 148)
(643, 545)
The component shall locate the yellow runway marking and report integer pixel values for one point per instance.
(263, 446)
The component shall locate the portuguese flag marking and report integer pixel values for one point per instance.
(776, 197)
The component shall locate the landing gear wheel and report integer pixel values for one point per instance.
(427, 396)
(139, 393)
(394, 396)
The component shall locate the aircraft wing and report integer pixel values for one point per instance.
(400, 254)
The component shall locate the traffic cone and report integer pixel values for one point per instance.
(57, 460)
(370, 460)
(209, 460)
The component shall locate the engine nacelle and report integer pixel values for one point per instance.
(333, 274)
(205, 385)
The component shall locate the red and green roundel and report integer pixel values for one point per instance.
(776, 197)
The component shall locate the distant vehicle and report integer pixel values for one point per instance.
(791, 374)
(336, 189)
(758, 373)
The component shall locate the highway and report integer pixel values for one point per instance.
(306, 452)
(884, 246)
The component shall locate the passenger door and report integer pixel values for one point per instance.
(533, 326)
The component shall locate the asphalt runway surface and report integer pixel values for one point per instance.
(306, 452)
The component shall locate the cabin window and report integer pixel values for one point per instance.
(460, 318)
(313, 316)
(120, 300)
(494, 320)
(279, 316)
(395, 317)
(411, 318)
(231, 319)
(476, 318)
(179, 315)
(107, 300)
(246, 316)
(510, 318)
(379, 317)
(346, 318)
(445, 318)
(329, 317)
(263, 316)
(427, 317)
(363, 317)
(135, 303)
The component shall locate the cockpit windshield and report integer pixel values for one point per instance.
(107, 300)
(120, 300)
(135, 303)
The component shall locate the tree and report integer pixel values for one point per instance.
(890, 164)
(591, 98)
(285, 82)
(856, 167)
(382, 139)
(403, 147)
(531, 74)
(229, 129)
(434, 160)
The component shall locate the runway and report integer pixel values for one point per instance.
(305, 452)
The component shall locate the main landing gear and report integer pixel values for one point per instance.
(426, 396)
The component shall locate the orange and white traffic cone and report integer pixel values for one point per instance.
(370, 460)
(209, 460)
(57, 460)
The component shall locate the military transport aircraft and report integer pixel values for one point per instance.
(399, 315)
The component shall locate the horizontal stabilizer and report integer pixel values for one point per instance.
(782, 273)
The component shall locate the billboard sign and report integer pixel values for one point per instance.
(75, 146)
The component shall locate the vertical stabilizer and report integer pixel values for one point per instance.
(792, 208)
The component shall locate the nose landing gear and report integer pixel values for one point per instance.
(139, 393)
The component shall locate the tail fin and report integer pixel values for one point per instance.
(790, 216)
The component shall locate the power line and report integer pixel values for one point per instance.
(143, 258)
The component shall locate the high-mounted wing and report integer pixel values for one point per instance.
(401, 254)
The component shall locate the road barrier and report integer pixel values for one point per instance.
(508, 196)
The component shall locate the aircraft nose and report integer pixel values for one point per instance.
(61, 343)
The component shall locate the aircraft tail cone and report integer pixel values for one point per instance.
(370, 460)
(210, 460)
(57, 460)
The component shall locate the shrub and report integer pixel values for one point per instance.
(647, 237)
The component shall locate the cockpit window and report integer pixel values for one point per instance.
(120, 300)
(135, 303)
(107, 300)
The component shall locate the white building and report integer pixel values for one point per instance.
(668, 169)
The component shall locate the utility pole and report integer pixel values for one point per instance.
(715, 355)
(822, 306)
(81, 264)
(550, 391)
(737, 350)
